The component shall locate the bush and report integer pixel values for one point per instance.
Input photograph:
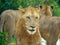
(14, 4)
(3, 38)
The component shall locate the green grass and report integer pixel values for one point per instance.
(13, 40)
(3, 38)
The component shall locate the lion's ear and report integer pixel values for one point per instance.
(41, 7)
(51, 7)
(21, 9)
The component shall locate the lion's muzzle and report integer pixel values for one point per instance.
(31, 31)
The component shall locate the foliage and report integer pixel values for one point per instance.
(14, 4)
(3, 38)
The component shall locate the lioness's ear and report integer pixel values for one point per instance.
(41, 7)
(51, 7)
(21, 9)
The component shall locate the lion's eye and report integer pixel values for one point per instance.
(36, 17)
(28, 18)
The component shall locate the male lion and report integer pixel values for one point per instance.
(8, 22)
(50, 28)
(27, 32)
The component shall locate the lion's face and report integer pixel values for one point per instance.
(46, 10)
(31, 18)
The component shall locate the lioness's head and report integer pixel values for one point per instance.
(29, 21)
(46, 10)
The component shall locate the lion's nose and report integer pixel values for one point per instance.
(32, 26)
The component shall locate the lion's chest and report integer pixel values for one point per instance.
(30, 40)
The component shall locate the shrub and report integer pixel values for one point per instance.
(3, 38)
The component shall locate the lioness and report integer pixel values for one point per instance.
(46, 10)
(8, 22)
(50, 28)
(27, 32)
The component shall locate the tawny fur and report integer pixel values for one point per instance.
(24, 38)
(8, 22)
(50, 28)
(46, 10)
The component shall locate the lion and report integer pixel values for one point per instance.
(50, 28)
(27, 27)
(8, 22)
(46, 10)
